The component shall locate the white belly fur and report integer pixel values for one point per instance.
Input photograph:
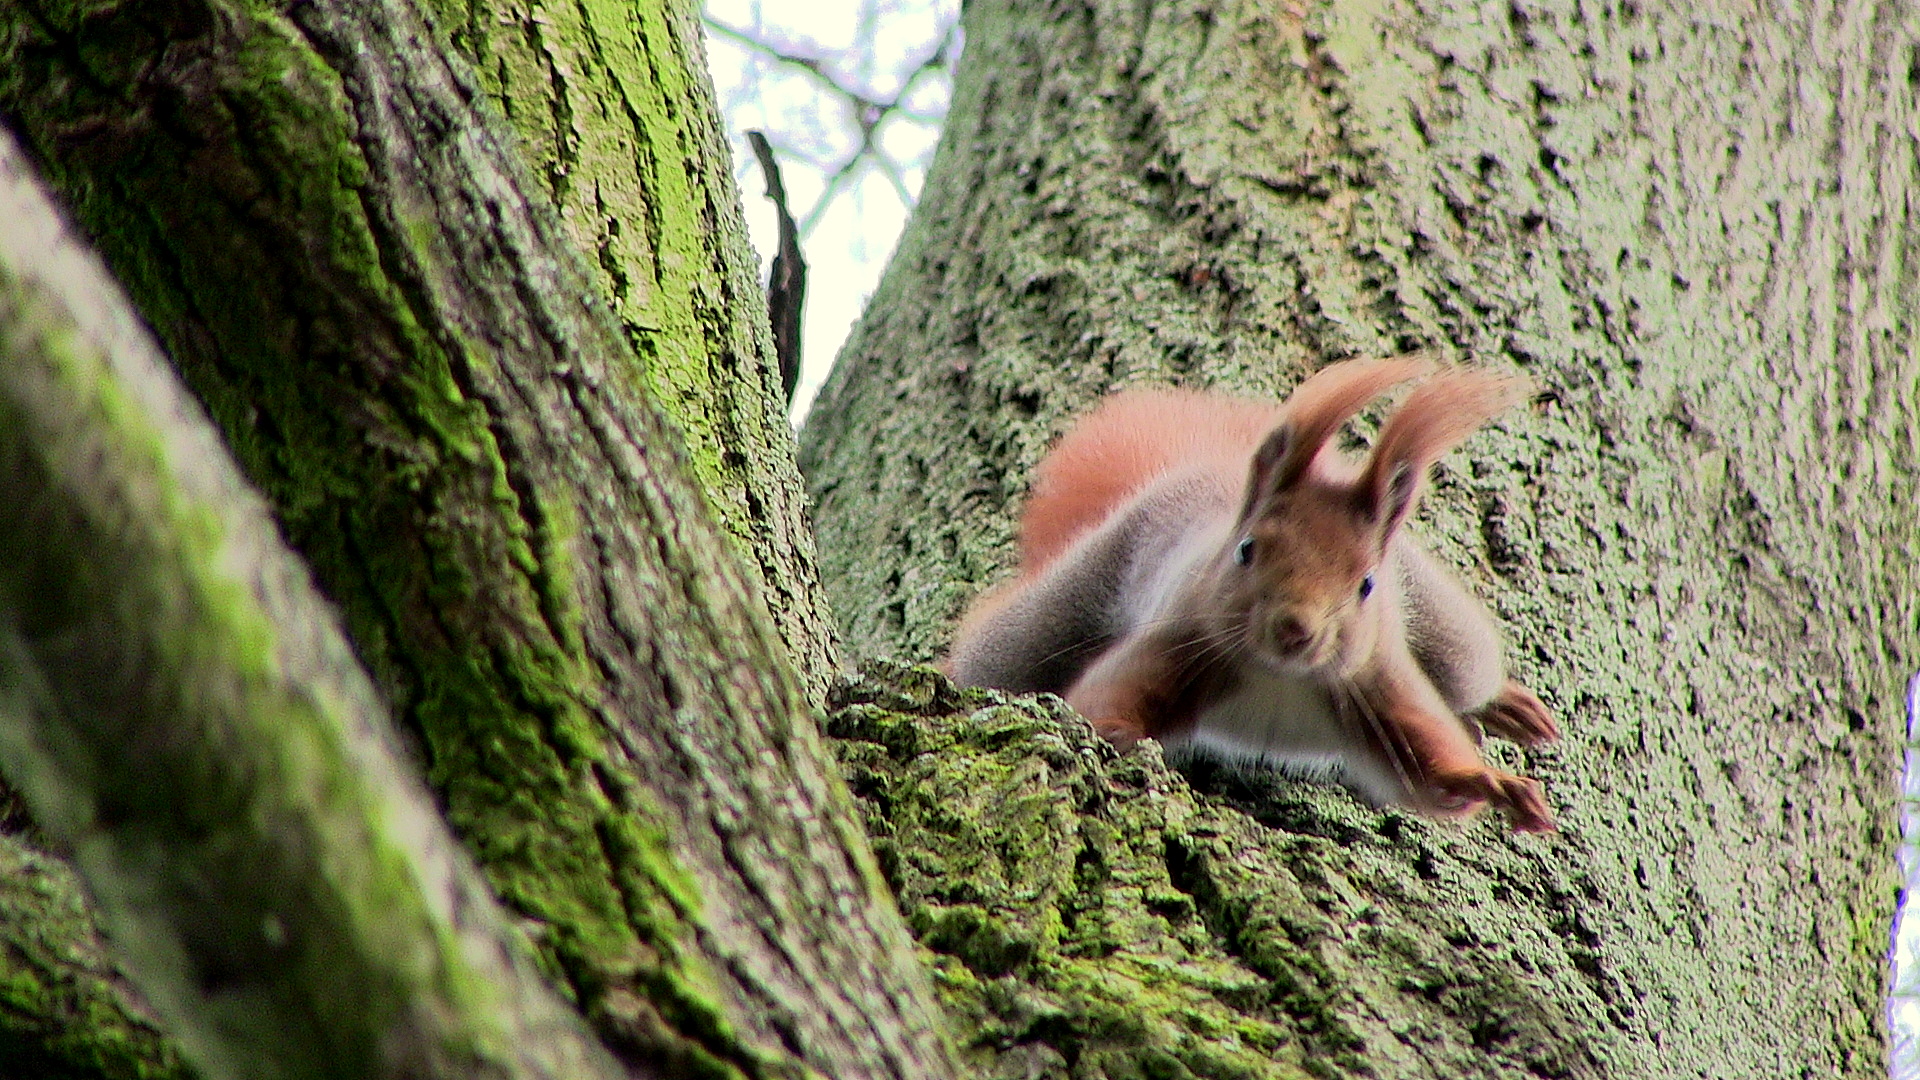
(1289, 722)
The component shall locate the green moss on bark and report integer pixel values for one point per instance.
(615, 115)
(65, 1013)
(1093, 917)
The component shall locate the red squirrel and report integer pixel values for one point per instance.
(1209, 572)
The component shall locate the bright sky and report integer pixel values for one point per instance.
(841, 49)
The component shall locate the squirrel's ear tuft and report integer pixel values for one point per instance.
(1435, 418)
(1327, 399)
(1272, 457)
(1393, 498)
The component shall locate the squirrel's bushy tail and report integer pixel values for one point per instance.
(1121, 447)
(1137, 435)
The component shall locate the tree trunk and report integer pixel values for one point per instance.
(183, 713)
(360, 281)
(1694, 232)
(615, 115)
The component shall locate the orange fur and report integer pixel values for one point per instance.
(1119, 448)
(1435, 418)
(1137, 435)
(1233, 632)
(1329, 398)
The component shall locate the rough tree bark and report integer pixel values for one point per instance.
(181, 710)
(615, 115)
(312, 206)
(1693, 227)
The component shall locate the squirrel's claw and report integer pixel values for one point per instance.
(1526, 806)
(1521, 798)
(1516, 713)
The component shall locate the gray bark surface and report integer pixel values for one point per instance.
(1692, 227)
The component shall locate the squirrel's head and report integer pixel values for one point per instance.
(1302, 578)
(1304, 572)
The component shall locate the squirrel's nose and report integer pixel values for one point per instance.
(1288, 634)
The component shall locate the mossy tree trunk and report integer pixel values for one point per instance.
(615, 116)
(321, 216)
(180, 709)
(1692, 226)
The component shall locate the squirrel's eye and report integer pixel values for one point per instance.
(1366, 586)
(1244, 553)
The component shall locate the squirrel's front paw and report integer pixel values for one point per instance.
(1521, 798)
(1517, 714)
(1526, 804)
